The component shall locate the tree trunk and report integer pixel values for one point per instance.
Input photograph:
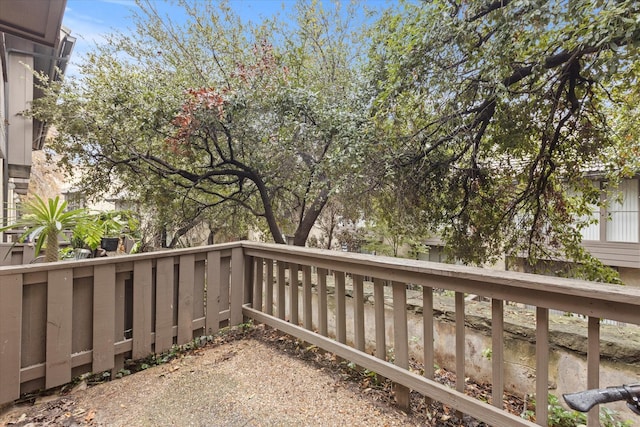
(309, 219)
(51, 251)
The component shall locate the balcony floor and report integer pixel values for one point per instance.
(245, 382)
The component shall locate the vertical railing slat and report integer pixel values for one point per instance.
(237, 286)
(214, 269)
(10, 337)
(225, 286)
(460, 341)
(258, 284)
(542, 365)
(427, 331)
(593, 366)
(400, 339)
(293, 293)
(104, 317)
(142, 322)
(378, 307)
(307, 311)
(164, 304)
(120, 321)
(186, 277)
(247, 293)
(341, 311)
(268, 281)
(497, 352)
(322, 302)
(280, 283)
(199, 304)
(358, 312)
(59, 327)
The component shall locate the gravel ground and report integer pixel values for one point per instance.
(245, 382)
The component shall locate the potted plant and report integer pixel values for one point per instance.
(44, 222)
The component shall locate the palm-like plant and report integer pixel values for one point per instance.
(45, 222)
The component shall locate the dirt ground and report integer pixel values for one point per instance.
(254, 377)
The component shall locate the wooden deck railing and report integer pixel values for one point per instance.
(63, 319)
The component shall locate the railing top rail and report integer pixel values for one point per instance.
(589, 298)
(51, 266)
(488, 282)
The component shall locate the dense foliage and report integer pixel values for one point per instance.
(496, 110)
(214, 113)
(476, 120)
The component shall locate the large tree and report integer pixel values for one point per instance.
(268, 118)
(496, 109)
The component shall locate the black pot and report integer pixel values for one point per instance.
(110, 244)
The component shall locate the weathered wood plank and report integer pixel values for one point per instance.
(185, 298)
(237, 286)
(10, 337)
(460, 341)
(593, 366)
(400, 339)
(307, 312)
(258, 284)
(59, 327)
(164, 304)
(280, 283)
(497, 352)
(120, 321)
(378, 304)
(225, 287)
(322, 301)
(358, 312)
(427, 331)
(341, 310)
(293, 293)
(268, 281)
(542, 364)
(142, 321)
(212, 322)
(104, 317)
(247, 292)
(199, 305)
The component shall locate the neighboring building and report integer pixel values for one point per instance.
(31, 38)
(613, 237)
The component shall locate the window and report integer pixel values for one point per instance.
(622, 225)
(75, 200)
